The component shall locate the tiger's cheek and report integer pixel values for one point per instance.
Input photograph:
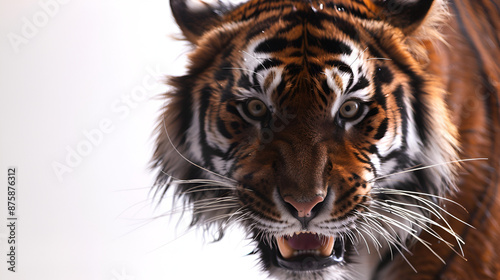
(256, 187)
(349, 181)
(351, 194)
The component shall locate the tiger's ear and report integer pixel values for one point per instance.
(407, 15)
(195, 17)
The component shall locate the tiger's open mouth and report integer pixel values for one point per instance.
(306, 251)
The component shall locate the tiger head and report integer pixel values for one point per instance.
(313, 125)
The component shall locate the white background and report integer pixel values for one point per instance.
(65, 68)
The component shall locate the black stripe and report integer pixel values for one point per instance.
(262, 25)
(352, 11)
(314, 68)
(361, 84)
(224, 71)
(362, 157)
(221, 126)
(266, 8)
(266, 64)
(272, 45)
(380, 97)
(329, 45)
(347, 28)
(384, 75)
(382, 129)
(232, 109)
(421, 114)
(244, 82)
(326, 89)
(403, 111)
(294, 69)
(341, 66)
(231, 151)
(323, 98)
(205, 95)
(374, 111)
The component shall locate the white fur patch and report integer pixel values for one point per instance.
(356, 62)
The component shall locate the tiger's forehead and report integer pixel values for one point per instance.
(301, 52)
(304, 68)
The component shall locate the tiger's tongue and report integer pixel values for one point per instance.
(305, 241)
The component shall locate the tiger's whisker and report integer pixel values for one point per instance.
(368, 230)
(390, 239)
(435, 209)
(423, 225)
(209, 189)
(364, 239)
(378, 58)
(418, 216)
(411, 232)
(417, 194)
(425, 167)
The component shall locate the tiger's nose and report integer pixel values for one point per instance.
(303, 208)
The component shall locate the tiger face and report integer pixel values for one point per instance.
(302, 121)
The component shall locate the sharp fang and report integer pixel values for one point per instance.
(327, 249)
(285, 249)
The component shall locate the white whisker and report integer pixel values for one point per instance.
(378, 58)
(425, 167)
(364, 239)
(413, 219)
(412, 232)
(417, 194)
(435, 209)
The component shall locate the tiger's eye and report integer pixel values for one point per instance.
(349, 109)
(256, 108)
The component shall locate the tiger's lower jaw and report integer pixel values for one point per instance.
(307, 251)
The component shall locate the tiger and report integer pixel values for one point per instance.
(350, 139)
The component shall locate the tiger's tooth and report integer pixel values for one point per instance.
(303, 231)
(327, 249)
(285, 249)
